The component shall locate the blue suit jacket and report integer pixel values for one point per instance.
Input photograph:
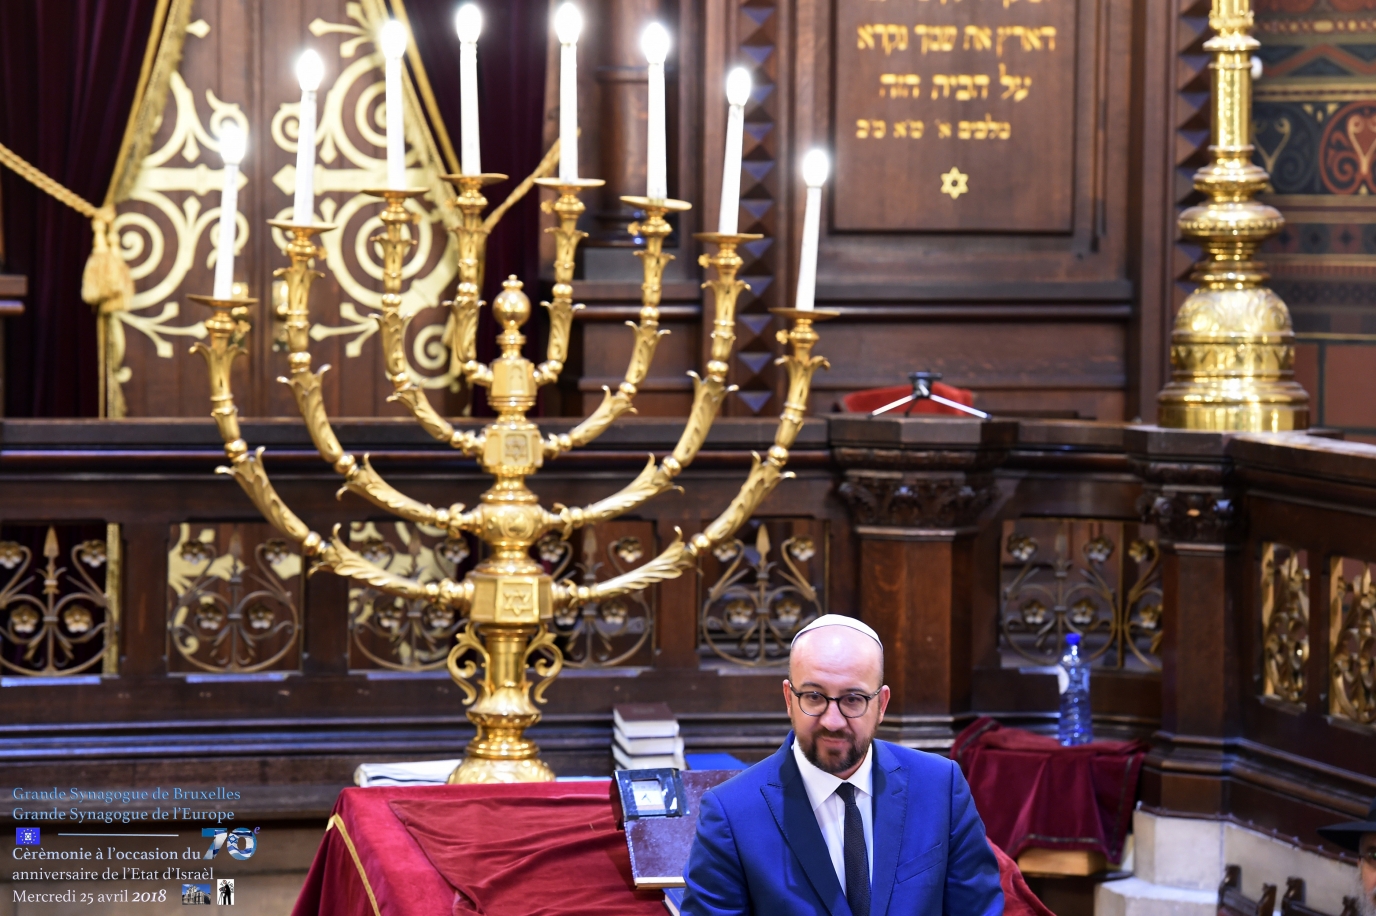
(759, 850)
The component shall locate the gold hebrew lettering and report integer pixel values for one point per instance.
(978, 38)
(1030, 38)
(862, 129)
(1016, 87)
(936, 37)
(877, 129)
(891, 37)
(899, 85)
(943, 129)
(988, 129)
(900, 130)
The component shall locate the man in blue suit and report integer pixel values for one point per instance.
(836, 822)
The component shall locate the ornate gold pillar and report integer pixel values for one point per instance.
(1233, 347)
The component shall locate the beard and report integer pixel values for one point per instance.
(1366, 902)
(844, 759)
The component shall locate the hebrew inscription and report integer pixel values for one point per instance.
(980, 88)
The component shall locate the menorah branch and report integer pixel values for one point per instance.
(708, 392)
(360, 477)
(654, 229)
(568, 208)
(764, 476)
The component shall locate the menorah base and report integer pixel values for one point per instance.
(480, 770)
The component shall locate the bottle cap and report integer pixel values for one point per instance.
(1072, 639)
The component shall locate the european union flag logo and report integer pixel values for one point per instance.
(28, 836)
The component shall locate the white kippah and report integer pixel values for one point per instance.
(837, 620)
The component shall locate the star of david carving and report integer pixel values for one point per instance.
(955, 183)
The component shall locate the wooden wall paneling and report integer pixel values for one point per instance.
(677, 637)
(1152, 209)
(144, 627)
(758, 36)
(952, 265)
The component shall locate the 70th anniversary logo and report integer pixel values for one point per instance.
(58, 852)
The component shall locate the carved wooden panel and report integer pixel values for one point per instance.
(237, 66)
(955, 116)
(235, 599)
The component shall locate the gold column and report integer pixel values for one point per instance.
(1233, 347)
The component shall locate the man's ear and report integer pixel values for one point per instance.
(788, 696)
(883, 702)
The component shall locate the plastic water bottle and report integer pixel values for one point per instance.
(1075, 725)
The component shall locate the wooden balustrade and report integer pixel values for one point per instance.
(1221, 582)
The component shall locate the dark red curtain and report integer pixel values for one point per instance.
(511, 79)
(68, 72)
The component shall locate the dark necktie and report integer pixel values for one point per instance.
(855, 854)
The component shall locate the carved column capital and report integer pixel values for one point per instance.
(919, 473)
(1188, 493)
(941, 501)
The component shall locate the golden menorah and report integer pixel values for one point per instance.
(508, 598)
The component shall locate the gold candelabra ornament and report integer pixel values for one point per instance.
(508, 598)
(1233, 346)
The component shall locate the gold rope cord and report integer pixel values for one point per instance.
(53, 188)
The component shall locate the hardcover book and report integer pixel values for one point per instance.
(645, 720)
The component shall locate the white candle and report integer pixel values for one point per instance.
(468, 22)
(568, 24)
(815, 168)
(393, 47)
(737, 94)
(310, 70)
(232, 146)
(655, 44)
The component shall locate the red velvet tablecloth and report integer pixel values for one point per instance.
(548, 849)
(1031, 792)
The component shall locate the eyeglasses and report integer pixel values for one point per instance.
(851, 705)
(1368, 855)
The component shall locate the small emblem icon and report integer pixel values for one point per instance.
(28, 836)
(197, 895)
(224, 891)
(955, 183)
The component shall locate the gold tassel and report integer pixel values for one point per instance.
(106, 283)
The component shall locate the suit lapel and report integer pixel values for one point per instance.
(890, 814)
(787, 800)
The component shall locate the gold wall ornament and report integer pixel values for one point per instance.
(1233, 346)
(509, 600)
(1352, 643)
(1284, 623)
(344, 175)
(57, 621)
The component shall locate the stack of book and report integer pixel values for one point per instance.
(645, 737)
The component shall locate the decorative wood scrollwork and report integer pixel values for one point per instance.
(54, 623)
(398, 633)
(1352, 644)
(757, 605)
(1085, 584)
(1284, 622)
(226, 617)
(613, 631)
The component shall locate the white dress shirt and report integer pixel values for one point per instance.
(830, 810)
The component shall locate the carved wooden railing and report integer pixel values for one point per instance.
(1221, 582)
